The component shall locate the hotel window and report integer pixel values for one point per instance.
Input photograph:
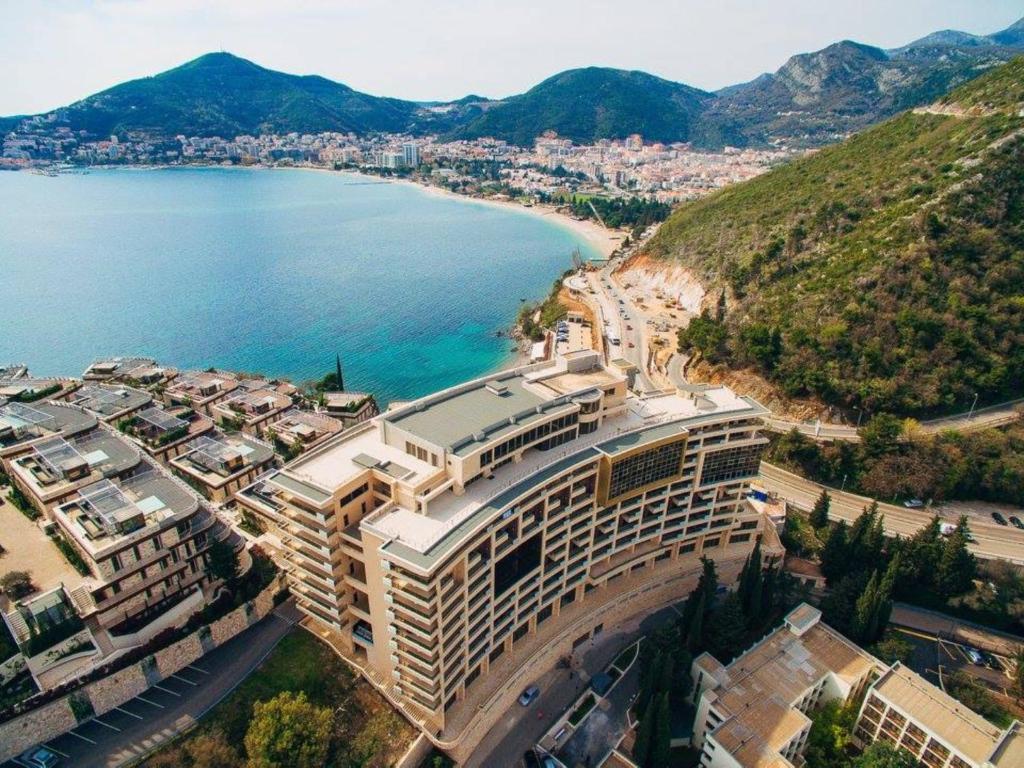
(730, 464)
(645, 468)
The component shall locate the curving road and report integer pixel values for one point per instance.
(991, 541)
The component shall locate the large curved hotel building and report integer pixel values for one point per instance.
(447, 541)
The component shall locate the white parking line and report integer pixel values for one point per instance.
(197, 669)
(152, 703)
(56, 751)
(167, 690)
(108, 725)
(130, 714)
(183, 679)
(83, 738)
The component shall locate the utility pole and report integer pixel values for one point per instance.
(843, 486)
(971, 414)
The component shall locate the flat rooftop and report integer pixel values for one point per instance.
(218, 457)
(422, 539)
(961, 728)
(26, 421)
(106, 401)
(104, 513)
(757, 692)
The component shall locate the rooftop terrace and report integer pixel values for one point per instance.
(21, 422)
(107, 402)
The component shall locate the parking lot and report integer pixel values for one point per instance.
(171, 706)
(932, 654)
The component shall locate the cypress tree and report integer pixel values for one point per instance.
(644, 732)
(865, 619)
(695, 629)
(661, 740)
(819, 513)
(834, 558)
(957, 567)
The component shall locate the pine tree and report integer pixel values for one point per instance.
(834, 558)
(957, 567)
(819, 513)
(726, 629)
(661, 740)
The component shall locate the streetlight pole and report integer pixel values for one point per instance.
(843, 486)
(860, 414)
(971, 414)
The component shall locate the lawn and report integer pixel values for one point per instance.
(367, 731)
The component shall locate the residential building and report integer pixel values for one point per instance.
(303, 429)
(753, 712)
(22, 425)
(55, 468)
(217, 465)
(145, 540)
(251, 411)
(906, 710)
(350, 408)
(108, 368)
(200, 389)
(436, 538)
(109, 404)
(165, 432)
(411, 154)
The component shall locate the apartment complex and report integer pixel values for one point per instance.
(753, 713)
(904, 709)
(144, 539)
(251, 411)
(442, 534)
(110, 404)
(200, 389)
(22, 425)
(166, 432)
(217, 465)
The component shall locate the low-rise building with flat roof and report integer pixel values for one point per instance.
(145, 540)
(55, 468)
(217, 465)
(109, 403)
(30, 389)
(24, 424)
(301, 430)
(107, 368)
(350, 408)
(165, 432)
(442, 536)
(753, 713)
(904, 709)
(199, 389)
(251, 410)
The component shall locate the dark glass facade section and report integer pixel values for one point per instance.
(731, 464)
(516, 564)
(644, 468)
(542, 430)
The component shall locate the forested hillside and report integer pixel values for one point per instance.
(886, 272)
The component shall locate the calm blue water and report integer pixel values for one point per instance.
(269, 271)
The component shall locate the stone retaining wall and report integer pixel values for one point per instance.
(53, 719)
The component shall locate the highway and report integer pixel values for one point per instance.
(991, 541)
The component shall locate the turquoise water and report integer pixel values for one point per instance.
(269, 271)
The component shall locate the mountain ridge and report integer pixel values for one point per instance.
(811, 100)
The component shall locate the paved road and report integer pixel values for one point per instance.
(991, 541)
(615, 306)
(604, 726)
(175, 704)
(522, 727)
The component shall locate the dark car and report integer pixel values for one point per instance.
(39, 757)
(1016, 522)
(530, 759)
(998, 517)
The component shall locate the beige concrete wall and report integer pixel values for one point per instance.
(55, 718)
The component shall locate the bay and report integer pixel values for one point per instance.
(271, 271)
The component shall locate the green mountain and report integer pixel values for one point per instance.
(594, 103)
(885, 272)
(221, 94)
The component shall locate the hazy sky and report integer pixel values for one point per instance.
(53, 52)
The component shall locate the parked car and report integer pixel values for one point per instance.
(975, 656)
(913, 503)
(530, 759)
(528, 696)
(998, 517)
(39, 757)
(1016, 522)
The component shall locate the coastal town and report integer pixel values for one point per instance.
(553, 169)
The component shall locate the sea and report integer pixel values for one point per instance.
(268, 271)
